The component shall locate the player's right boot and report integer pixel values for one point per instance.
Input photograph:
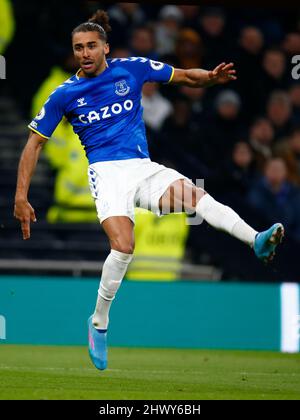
(97, 345)
(266, 242)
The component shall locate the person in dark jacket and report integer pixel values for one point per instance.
(276, 198)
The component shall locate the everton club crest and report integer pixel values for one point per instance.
(122, 88)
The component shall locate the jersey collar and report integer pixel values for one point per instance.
(78, 78)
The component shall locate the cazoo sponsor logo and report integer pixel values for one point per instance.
(106, 112)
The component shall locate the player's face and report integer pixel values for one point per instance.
(89, 50)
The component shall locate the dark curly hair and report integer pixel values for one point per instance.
(99, 22)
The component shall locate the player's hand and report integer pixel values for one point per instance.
(25, 214)
(223, 73)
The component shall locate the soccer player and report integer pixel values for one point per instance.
(102, 101)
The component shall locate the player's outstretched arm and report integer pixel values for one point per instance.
(23, 211)
(223, 73)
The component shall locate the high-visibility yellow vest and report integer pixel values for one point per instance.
(72, 198)
(160, 244)
(7, 24)
(55, 149)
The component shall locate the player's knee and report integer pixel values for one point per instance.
(126, 249)
(123, 245)
(192, 199)
(198, 193)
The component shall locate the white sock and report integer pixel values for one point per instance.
(114, 269)
(224, 218)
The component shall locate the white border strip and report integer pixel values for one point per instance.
(290, 317)
(2, 328)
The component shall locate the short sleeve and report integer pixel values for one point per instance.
(50, 115)
(159, 72)
(146, 70)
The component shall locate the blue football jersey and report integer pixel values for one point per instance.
(105, 111)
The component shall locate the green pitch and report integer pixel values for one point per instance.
(36, 372)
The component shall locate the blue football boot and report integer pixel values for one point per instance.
(265, 242)
(97, 345)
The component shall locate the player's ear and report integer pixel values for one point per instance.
(106, 48)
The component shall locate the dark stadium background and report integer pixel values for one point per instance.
(226, 328)
(201, 144)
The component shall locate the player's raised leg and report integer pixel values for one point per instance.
(185, 195)
(119, 230)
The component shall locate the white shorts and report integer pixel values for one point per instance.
(121, 185)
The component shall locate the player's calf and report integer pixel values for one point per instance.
(114, 269)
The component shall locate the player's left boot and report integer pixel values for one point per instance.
(266, 242)
(97, 346)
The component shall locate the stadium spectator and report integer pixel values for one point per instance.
(179, 142)
(119, 52)
(274, 74)
(289, 151)
(196, 97)
(222, 129)
(156, 107)
(291, 44)
(251, 42)
(190, 15)
(279, 112)
(261, 137)
(294, 144)
(124, 17)
(276, 198)
(175, 139)
(294, 94)
(142, 43)
(248, 61)
(189, 49)
(166, 30)
(216, 39)
(234, 178)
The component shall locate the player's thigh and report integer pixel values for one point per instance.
(120, 232)
(153, 188)
(181, 195)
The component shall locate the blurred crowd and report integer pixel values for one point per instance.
(243, 138)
